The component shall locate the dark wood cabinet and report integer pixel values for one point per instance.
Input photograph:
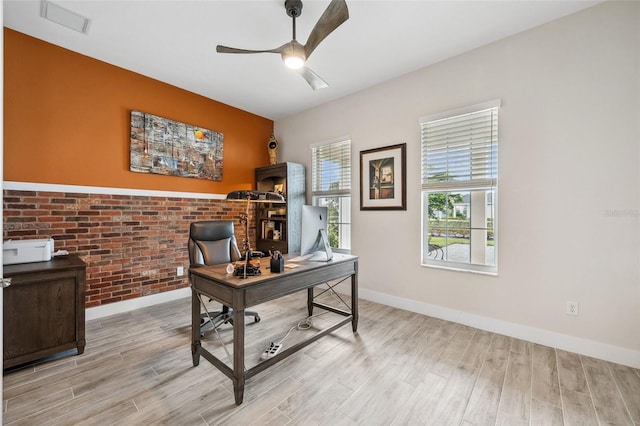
(44, 309)
(278, 225)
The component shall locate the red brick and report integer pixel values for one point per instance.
(131, 244)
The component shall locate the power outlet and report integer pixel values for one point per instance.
(572, 308)
(180, 271)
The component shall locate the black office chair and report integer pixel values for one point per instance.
(213, 242)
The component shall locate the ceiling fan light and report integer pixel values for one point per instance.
(292, 61)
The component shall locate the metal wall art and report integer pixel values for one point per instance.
(167, 147)
(383, 178)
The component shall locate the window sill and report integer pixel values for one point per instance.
(460, 268)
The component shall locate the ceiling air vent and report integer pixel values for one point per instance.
(64, 17)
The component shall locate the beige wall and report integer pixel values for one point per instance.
(569, 183)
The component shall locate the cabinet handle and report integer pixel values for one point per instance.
(6, 282)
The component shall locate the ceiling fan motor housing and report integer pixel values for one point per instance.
(294, 7)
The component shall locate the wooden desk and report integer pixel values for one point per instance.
(214, 282)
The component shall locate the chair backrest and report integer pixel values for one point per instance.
(212, 242)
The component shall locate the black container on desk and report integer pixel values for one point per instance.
(277, 265)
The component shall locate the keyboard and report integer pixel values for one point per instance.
(301, 258)
(318, 256)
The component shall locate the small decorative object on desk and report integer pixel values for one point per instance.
(246, 269)
(277, 262)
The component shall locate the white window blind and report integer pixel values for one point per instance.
(331, 188)
(331, 169)
(459, 188)
(460, 151)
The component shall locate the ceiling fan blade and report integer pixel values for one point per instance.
(312, 78)
(334, 15)
(225, 49)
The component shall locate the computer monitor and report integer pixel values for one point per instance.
(314, 238)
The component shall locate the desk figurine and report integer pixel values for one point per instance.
(273, 150)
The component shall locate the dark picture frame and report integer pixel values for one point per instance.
(383, 178)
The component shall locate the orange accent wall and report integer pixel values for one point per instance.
(67, 119)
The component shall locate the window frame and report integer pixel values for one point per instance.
(343, 194)
(475, 182)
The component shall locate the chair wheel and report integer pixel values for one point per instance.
(256, 319)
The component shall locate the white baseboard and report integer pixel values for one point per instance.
(133, 304)
(607, 352)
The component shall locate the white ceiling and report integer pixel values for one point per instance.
(174, 41)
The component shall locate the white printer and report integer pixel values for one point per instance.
(26, 251)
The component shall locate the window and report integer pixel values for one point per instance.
(331, 187)
(459, 189)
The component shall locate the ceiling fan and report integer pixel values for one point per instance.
(295, 54)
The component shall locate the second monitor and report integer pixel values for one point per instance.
(314, 238)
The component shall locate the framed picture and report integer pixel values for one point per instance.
(383, 178)
(167, 147)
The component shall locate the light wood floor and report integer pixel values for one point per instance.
(400, 368)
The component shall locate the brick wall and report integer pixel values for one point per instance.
(132, 245)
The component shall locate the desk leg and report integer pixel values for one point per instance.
(195, 327)
(238, 355)
(354, 299)
(310, 300)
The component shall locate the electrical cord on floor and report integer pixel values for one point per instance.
(274, 347)
(304, 324)
(307, 323)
